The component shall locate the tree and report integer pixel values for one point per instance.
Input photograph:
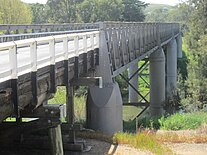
(38, 13)
(196, 39)
(63, 11)
(101, 10)
(133, 10)
(15, 12)
(158, 15)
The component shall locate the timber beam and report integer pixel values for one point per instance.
(88, 81)
(46, 111)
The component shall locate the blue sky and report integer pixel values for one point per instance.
(169, 2)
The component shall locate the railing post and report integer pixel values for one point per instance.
(52, 65)
(33, 56)
(76, 63)
(14, 79)
(85, 57)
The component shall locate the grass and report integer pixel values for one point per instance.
(79, 104)
(183, 121)
(142, 141)
(130, 112)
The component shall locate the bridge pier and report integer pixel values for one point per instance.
(104, 105)
(133, 95)
(157, 82)
(171, 69)
(104, 109)
(179, 46)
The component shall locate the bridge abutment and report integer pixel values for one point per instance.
(157, 82)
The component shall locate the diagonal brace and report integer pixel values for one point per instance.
(134, 88)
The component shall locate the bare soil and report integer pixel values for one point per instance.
(104, 148)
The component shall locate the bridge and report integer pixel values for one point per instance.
(35, 59)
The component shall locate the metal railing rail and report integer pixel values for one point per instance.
(15, 28)
(132, 41)
(14, 37)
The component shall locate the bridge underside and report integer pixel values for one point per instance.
(44, 84)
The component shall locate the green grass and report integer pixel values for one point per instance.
(143, 141)
(183, 121)
(79, 104)
(130, 112)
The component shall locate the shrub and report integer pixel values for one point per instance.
(183, 121)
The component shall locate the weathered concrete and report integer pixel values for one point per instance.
(104, 109)
(171, 68)
(157, 82)
(133, 96)
(179, 46)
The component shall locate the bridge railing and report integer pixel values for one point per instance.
(13, 53)
(129, 41)
(14, 32)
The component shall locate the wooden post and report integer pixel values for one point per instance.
(56, 141)
(70, 113)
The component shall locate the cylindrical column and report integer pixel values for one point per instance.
(104, 109)
(133, 96)
(179, 46)
(157, 82)
(171, 68)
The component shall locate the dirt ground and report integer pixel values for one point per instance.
(104, 148)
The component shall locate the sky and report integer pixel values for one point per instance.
(169, 2)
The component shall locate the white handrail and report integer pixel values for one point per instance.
(15, 47)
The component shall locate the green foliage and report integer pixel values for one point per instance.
(100, 10)
(183, 121)
(123, 85)
(14, 12)
(158, 15)
(133, 10)
(196, 41)
(151, 7)
(70, 11)
(38, 13)
(79, 103)
(150, 123)
(62, 11)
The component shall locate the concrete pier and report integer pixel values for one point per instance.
(179, 46)
(104, 105)
(104, 109)
(171, 68)
(157, 82)
(133, 96)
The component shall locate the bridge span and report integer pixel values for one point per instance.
(35, 59)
